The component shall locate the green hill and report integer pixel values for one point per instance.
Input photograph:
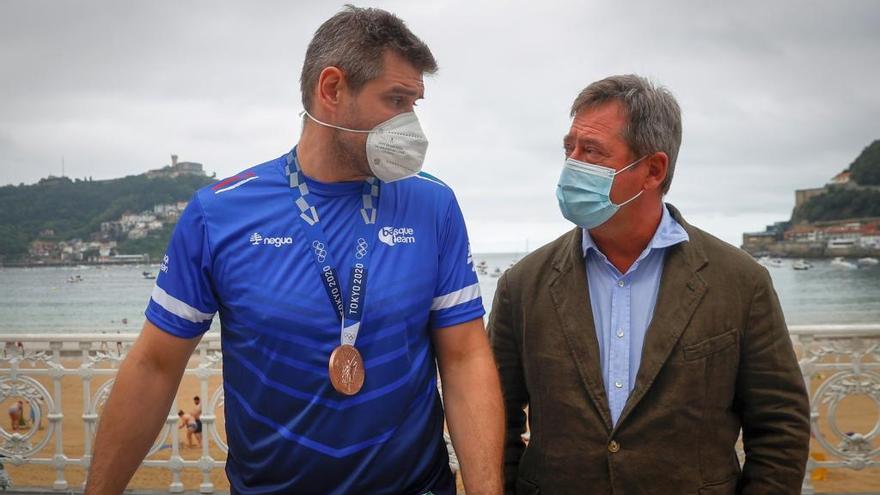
(866, 168)
(860, 199)
(76, 208)
(840, 204)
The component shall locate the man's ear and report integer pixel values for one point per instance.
(658, 166)
(331, 84)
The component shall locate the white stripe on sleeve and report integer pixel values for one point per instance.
(177, 307)
(460, 296)
(218, 191)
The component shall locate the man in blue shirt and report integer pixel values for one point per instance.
(641, 345)
(341, 274)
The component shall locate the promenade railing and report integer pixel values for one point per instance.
(840, 363)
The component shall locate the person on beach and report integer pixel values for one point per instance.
(189, 422)
(343, 280)
(32, 414)
(197, 415)
(642, 345)
(16, 411)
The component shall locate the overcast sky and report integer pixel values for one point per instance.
(775, 95)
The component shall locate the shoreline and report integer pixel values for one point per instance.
(57, 264)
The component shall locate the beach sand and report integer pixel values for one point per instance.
(858, 414)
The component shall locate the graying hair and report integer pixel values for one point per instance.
(653, 117)
(354, 41)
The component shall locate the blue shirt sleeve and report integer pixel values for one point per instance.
(457, 295)
(183, 301)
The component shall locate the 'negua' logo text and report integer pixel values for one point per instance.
(256, 239)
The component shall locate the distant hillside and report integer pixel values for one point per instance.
(840, 204)
(866, 168)
(859, 198)
(75, 209)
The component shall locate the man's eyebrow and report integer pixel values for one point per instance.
(591, 141)
(403, 90)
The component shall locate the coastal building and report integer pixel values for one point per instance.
(801, 196)
(758, 243)
(176, 169)
(53, 180)
(840, 179)
(849, 237)
(43, 249)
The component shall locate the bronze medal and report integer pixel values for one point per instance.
(346, 370)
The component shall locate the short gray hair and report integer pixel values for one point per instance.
(354, 41)
(653, 116)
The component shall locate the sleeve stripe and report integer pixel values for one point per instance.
(177, 307)
(218, 191)
(460, 296)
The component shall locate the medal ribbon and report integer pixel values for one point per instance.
(349, 313)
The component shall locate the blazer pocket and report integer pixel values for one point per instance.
(711, 345)
(526, 487)
(727, 487)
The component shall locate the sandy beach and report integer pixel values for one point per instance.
(858, 414)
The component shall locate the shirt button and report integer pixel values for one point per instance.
(621, 283)
(618, 384)
(613, 446)
(620, 334)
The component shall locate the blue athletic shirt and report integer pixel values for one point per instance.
(239, 249)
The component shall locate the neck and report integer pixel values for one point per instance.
(320, 159)
(623, 238)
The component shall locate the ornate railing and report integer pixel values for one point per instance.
(839, 363)
(25, 359)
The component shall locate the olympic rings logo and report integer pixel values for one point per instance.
(361, 248)
(320, 252)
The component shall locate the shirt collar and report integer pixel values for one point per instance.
(668, 233)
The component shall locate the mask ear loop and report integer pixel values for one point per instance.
(306, 112)
(633, 164)
(630, 200)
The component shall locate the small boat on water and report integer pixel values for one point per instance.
(771, 262)
(839, 262)
(74, 279)
(496, 273)
(482, 267)
(148, 275)
(801, 265)
(868, 261)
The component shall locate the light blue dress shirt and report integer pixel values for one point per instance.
(623, 305)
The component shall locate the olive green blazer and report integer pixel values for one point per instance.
(717, 358)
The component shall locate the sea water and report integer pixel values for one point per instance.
(112, 299)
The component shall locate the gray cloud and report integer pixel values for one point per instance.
(775, 96)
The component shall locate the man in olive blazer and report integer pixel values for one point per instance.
(716, 356)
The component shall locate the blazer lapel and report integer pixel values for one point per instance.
(681, 290)
(571, 299)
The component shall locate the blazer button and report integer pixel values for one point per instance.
(613, 446)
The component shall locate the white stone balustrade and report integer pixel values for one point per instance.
(844, 360)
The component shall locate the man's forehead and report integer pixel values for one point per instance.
(397, 71)
(603, 119)
(402, 80)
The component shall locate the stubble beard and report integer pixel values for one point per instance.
(349, 148)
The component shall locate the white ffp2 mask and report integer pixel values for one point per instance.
(395, 148)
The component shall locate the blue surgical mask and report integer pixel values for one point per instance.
(584, 192)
